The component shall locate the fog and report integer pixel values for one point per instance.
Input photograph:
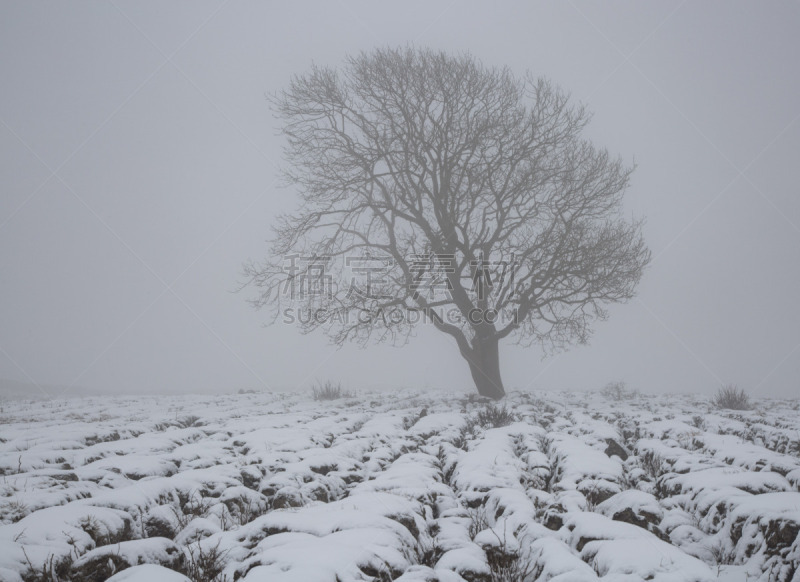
(138, 161)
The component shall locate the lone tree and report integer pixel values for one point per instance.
(437, 189)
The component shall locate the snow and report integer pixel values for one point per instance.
(400, 486)
(645, 559)
(719, 477)
(148, 573)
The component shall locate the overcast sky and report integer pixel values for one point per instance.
(137, 174)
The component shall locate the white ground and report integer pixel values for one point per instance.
(404, 487)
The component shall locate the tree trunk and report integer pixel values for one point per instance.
(484, 363)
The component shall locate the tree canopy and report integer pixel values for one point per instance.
(435, 188)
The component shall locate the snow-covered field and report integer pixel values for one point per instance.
(402, 486)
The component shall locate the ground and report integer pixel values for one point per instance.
(404, 486)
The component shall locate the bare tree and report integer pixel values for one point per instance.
(450, 192)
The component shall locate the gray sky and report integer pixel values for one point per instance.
(137, 168)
